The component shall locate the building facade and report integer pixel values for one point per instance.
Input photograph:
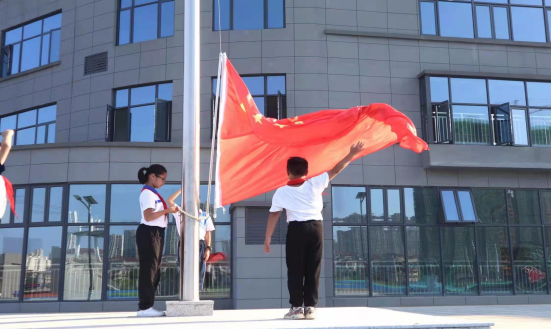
(94, 91)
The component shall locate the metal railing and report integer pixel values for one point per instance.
(540, 127)
(471, 128)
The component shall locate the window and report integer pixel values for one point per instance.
(248, 14)
(31, 45)
(46, 204)
(495, 274)
(523, 207)
(268, 92)
(142, 20)
(458, 206)
(459, 259)
(11, 258)
(256, 220)
(36, 126)
(87, 203)
(495, 19)
(423, 250)
(141, 114)
(350, 249)
(490, 111)
(385, 205)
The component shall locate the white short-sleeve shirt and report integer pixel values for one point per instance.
(303, 202)
(150, 200)
(205, 225)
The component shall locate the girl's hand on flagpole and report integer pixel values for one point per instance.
(267, 242)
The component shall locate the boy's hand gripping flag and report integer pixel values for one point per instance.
(253, 150)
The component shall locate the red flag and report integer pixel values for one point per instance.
(253, 150)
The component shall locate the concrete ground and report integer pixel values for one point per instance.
(503, 316)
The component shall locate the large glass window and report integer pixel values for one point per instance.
(424, 272)
(141, 114)
(36, 126)
(523, 207)
(490, 205)
(350, 254)
(145, 20)
(123, 268)
(528, 260)
(494, 260)
(31, 45)
(421, 205)
(87, 204)
(248, 14)
(11, 258)
(387, 260)
(460, 271)
(492, 19)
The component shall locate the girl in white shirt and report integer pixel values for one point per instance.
(150, 236)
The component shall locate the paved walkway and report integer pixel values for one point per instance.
(503, 316)
(334, 318)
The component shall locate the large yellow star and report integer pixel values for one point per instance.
(243, 107)
(280, 126)
(293, 119)
(299, 122)
(258, 118)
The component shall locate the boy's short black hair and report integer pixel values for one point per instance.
(297, 166)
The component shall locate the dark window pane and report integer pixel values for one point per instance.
(528, 24)
(377, 205)
(350, 252)
(51, 133)
(142, 95)
(387, 260)
(527, 2)
(349, 204)
(15, 59)
(276, 84)
(471, 124)
(218, 277)
(45, 49)
(43, 263)
(547, 233)
(19, 205)
(123, 270)
(31, 54)
(54, 49)
(460, 274)
(540, 126)
(528, 260)
(52, 22)
(483, 22)
(41, 135)
(424, 260)
(46, 114)
(248, 14)
(421, 205)
(11, 258)
(123, 200)
(469, 91)
(456, 19)
(523, 207)
(122, 126)
(167, 19)
(31, 30)
(26, 119)
(503, 91)
(428, 18)
(520, 127)
(222, 20)
(56, 202)
(165, 91)
(124, 27)
(439, 89)
(83, 263)
(394, 208)
(501, 23)
(126, 3)
(145, 23)
(490, 205)
(494, 260)
(450, 207)
(121, 98)
(13, 36)
(546, 198)
(142, 125)
(276, 14)
(539, 93)
(87, 204)
(466, 205)
(259, 101)
(26, 136)
(255, 85)
(221, 217)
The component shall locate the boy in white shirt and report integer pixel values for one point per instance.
(303, 202)
(205, 227)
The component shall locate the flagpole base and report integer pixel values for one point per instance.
(189, 308)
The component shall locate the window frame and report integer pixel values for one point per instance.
(231, 18)
(41, 36)
(36, 125)
(131, 9)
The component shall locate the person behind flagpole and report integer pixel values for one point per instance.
(150, 237)
(303, 203)
(205, 227)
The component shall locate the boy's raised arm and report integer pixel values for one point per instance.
(354, 150)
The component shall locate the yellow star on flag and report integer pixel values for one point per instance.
(243, 107)
(258, 118)
(299, 123)
(293, 119)
(280, 126)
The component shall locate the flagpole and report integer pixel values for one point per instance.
(189, 303)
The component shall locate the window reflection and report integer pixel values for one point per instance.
(428, 18)
(167, 21)
(124, 198)
(248, 15)
(539, 93)
(377, 205)
(142, 127)
(421, 205)
(83, 263)
(494, 260)
(490, 205)
(145, 23)
(11, 258)
(469, 91)
(540, 127)
(424, 260)
(501, 23)
(38, 204)
(387, 260)
(471, 124)
(439, 89)
(456, 19)
(276, 14)
(523, 207)
(546, 199)
(394, 209)
(123, 267)
(350, 254)
(43, 263)
(87, 204)
(222, 18)
(56, 203)
(218, 277)
(30, 131)
(503, 91)
(528, 24)
(19, 205)
(483, 22)
(349, 204)
(460, 273)
(528, 260)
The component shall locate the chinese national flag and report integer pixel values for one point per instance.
(253, 150)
